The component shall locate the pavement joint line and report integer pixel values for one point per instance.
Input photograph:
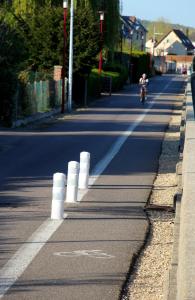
(19, 262)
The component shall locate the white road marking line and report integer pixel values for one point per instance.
(26, 253)
(14, 268)
(102, 165)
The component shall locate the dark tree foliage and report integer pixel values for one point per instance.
(86, 40)
(111, 22)
(11, 55)
(43, 36)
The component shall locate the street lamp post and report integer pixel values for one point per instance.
(101, 36)
(122, 30)
(154, 43)
(65, 7)
(142, 38)
(70, 74)
(131, 48)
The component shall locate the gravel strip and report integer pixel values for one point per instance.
(150, 271)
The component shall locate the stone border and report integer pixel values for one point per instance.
(35, 118)
(171, 285)
(186, 251)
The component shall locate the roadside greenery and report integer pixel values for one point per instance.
(33, 30)
(95, 79)
(141, 63)
(10, 59)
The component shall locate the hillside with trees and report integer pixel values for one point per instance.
(163, 26)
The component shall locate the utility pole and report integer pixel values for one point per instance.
(154, 41)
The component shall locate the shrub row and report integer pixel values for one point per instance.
(119, 75)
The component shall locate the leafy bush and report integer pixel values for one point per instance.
(11, 54)
(27, 76)
(140, 64)
(121, 69)
(94, 85)
(94, 80)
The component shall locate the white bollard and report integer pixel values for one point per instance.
(72, 182)
(84, 170)
(58, 196)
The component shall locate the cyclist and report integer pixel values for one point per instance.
(143, 82)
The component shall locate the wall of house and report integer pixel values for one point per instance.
(137, 40)
(171, 44)
(182, 62)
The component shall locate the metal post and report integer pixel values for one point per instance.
(65, 6)
(131, 48)
(142, 39)
(70, 77)
(85, 96)
(121, 60)
(101, 34)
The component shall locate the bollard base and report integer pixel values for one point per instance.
(57, 210)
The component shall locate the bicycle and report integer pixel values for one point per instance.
(142, 94)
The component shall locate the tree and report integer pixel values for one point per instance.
(35, 19)
(161, 26)
(11, 55)
(112, 20)
(43, 36)
(86, 40)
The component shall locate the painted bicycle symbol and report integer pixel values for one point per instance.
(89, 253)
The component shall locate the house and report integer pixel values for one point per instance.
(174, 43)
(150, 45)
(173, 53)
(133, 32)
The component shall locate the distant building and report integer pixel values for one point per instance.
(173, 53)
(133, 31)
(174, 43)
(150, 44)
(193, 43)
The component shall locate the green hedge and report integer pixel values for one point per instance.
(141, 64)
(118, 79)
(140, 61)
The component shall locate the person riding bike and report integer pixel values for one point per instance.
(143, 82)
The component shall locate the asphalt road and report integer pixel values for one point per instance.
(89, 254)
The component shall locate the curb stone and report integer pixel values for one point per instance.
(37, 117)
(171, 284)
